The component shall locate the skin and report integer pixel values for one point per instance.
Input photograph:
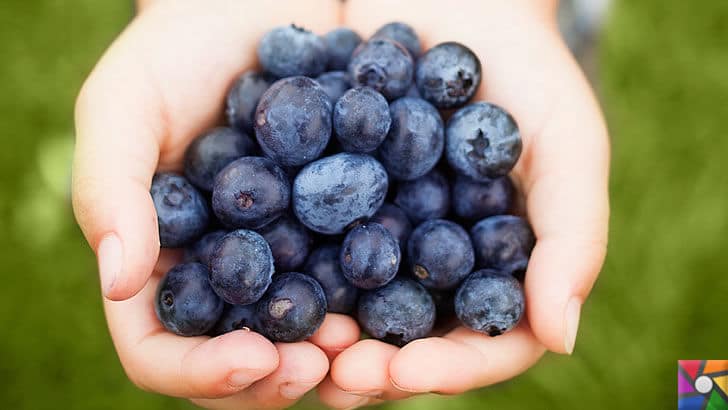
(164, 103)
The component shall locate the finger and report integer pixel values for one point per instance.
(302, 367)
(463, 360)
(363, 370)
(159, 361)
(332, 396)
(337, 333)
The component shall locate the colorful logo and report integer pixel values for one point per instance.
(702, 385)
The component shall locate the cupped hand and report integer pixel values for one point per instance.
(158, 86)
(563, 174)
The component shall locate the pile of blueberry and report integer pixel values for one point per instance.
(345, 191)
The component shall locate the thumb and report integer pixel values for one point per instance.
(117, 149)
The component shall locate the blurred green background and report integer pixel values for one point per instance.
(663, 68)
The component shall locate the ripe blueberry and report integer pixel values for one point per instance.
(503, 242)
(332, 193)
(440, 254)
(361, 119)
(185, 303)
(201, 250)
(340, 43)
(403, 34)
(212, 151)
(182, 212)
(396, 221)
(473, 200)
(292, 309)
(490, 302)
(291, 50)
(334, 83)
(243, 97)
(236, 317)
(482, 141)
(415, 140)
(427, 197)
(384, 65)
(293, 121)
(289, 242)
(370, 256)
(448, 75)
(250, 192)
(397, 313)
(241, 267)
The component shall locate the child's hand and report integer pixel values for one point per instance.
(563, 173)
(161, 84)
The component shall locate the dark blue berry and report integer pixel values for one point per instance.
(413, 92)
(341, 43)
(323, 264)
(289, 242)
(293, 121)
(243, 97)
(490, 302)
(440, 254)
(250, 192)
(503, 242)
(370, 256)
(482, 141)
(212, 151)
(334, 192)
(236, 317)
(185, 302)
(415, 140)
(403, 34)
(182, 212)
(291, 50)
(292, 309)
(427, 197)
(384, 65)
(448, 75)
(397, 313)
(361, 119)
(201, 250)
(334, 83)
(241, 267)
(473, 200)
(396, 221)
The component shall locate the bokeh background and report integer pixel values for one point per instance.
(662, 73)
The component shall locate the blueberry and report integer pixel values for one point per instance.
(291, 50)
(384, 65)
(334, 83)
(413, 92)
(182, 213)
(503, 242)
(473, 200)
(370, 256)
(397, 313)
(490, 302)
(250, 192)
(289, 242)
(241, 267)
(236, 317)
(292, 309)
(482, 141)
(361, 119)
(440, 254)
(427, 197)
(243, 97)
(185, 303)
(340, 44)
(403, 34)
(211, 152)
(415, 140)
(293, 121)
(334, 192)
(448, 75)
(201, 250)
(323, 264)
(396, 221)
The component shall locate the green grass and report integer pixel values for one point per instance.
(660, 297)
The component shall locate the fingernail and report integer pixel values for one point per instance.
(403, 389)
(240, 379)
(109, 258)
(294, 391)
(571, 316)
(361, 402)
(366, 393)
